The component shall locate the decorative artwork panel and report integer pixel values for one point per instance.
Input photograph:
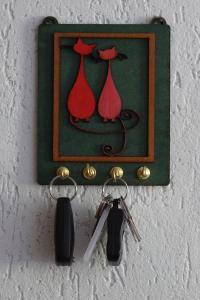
(104, 98)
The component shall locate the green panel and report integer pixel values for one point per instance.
(131, 78)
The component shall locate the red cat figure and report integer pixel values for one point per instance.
(81, 101)
(110, 103)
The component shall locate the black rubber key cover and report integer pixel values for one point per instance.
(64, 233)
(115, 228)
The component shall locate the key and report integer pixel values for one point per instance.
(97, 233)
(130, 221)
(104, 202)
(115, 229)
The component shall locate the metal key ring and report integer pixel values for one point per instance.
(60, 177)
(111, 179)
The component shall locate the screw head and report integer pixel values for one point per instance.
(159, 20)
(50, 21)
(143, 173)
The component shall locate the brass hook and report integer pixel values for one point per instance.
(89, 172)
(63, 172)
(143, 173)
(116, 173)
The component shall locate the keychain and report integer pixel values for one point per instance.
(64, 224)
(114, 213)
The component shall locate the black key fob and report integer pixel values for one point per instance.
(115, 230)
(64, 233)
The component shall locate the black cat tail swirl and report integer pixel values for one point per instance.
(125, 115)
(107, 149)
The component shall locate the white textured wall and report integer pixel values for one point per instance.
(166, 264)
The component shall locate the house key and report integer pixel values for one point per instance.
(130, 221)
(102, 217)
(104, 202)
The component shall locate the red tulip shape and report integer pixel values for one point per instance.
(81, 101)
(110, 102)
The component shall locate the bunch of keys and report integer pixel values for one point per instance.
(116, 218)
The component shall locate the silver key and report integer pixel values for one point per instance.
(97, 233)
(130, 221)
(104, 202)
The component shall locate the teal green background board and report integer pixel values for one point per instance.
(131, 79)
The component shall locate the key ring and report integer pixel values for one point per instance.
(114, 180)
(63, 178)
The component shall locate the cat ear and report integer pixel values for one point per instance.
(108, 54)
(96, 56)
(83, 48)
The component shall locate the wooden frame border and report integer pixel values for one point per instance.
(56, 101)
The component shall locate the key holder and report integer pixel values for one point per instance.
(64, 234)
(103, 102)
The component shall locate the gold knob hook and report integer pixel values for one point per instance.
(89, 172)
(63, 172)
(116, 173)
(143, 173)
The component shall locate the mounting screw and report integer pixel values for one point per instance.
(143, 173)
(63, 172)
(116, 173)
(89, 172)
(159, 20)
(50, 21)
